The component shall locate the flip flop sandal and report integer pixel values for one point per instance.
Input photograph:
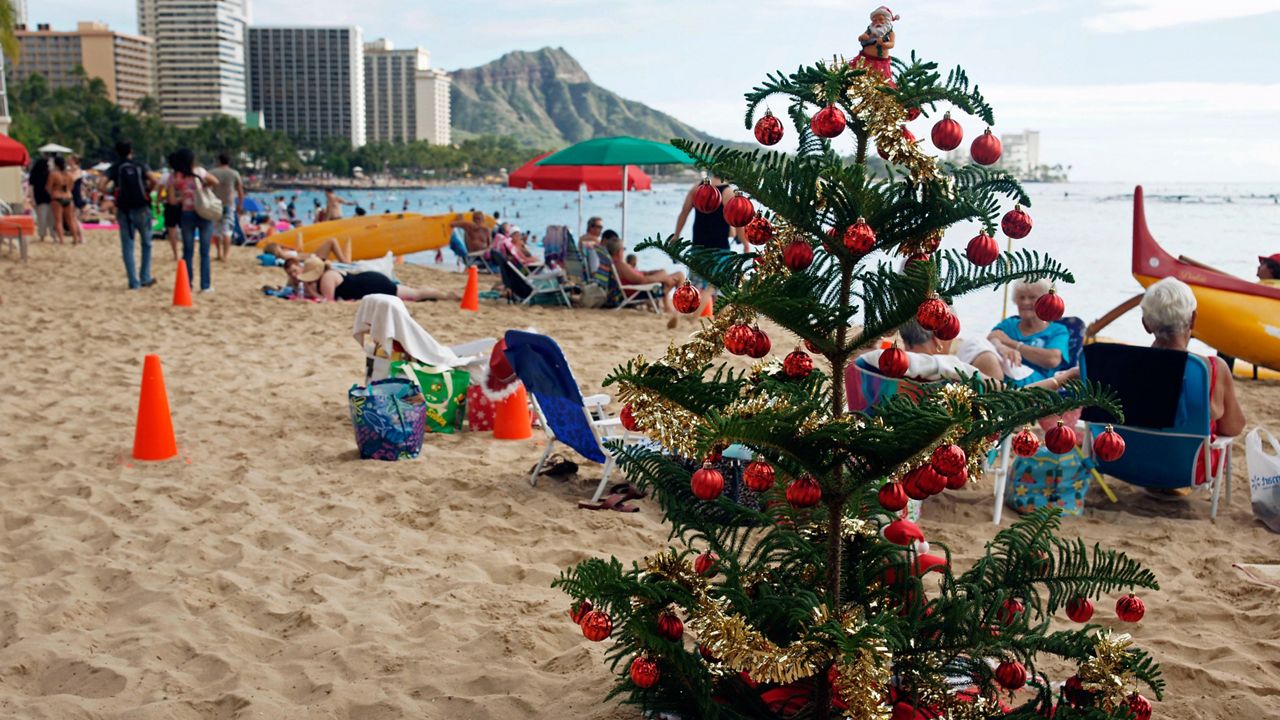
(557, 466)
(627, 490)
(609, 502)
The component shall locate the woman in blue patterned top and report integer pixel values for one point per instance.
(1028, 340)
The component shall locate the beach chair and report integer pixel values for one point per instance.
(565, 415)
(14, 231)
(620, 295)
(555, 245)
(387, 332)
(531, 289)
(1166, 402)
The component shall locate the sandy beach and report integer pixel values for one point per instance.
(268, 573)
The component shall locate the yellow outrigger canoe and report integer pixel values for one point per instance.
(373, 236)
(1235, 316)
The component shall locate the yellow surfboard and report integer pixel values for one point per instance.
(373, 236)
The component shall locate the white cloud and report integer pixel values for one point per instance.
(1138, 15)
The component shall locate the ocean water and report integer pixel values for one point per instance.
(1087, 226)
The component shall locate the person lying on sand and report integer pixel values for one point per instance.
(327, 248)
(319, 280)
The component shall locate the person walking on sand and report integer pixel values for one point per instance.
(333, 204)
(184, 183)
(230, 190)
(132, 183)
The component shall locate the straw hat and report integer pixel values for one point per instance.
(312, 268)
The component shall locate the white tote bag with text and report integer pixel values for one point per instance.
(1264, 476)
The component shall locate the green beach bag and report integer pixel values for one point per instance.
(445, 390)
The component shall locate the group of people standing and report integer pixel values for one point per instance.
(187, 213)
(57, 194)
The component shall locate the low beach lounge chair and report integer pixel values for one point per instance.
(620, 295)
(1166, 402)
(566, 416)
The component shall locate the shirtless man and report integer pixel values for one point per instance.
(877, 41)
(333, 204)
(477, 235)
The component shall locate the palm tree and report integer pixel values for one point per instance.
(9, 48)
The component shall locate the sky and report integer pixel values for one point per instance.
(1120, 90)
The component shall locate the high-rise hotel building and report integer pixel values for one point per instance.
(308, 82)
(199, 51)
(405, 100)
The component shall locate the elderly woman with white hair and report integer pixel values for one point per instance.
(1169, 313)
(1027, 340)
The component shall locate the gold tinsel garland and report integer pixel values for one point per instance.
(883, 117)
(1107, 673)
(740, 648)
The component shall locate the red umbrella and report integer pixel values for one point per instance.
(13, 152)
(573, 177)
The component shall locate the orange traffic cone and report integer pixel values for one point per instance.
(471, 296)
(709, 308)
(511, 419)
(182, 287)
(153, 436)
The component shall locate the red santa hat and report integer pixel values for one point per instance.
(884, 10)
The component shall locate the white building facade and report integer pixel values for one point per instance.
(405, 100)
(198, 57)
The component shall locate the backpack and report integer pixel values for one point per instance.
(131, 186)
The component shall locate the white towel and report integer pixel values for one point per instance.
(384, 318)
(928, 367)
(971, 348)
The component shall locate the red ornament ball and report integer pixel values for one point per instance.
(768, 129)
(915, 259)
(930, 480)
(706, 198)
(739, 211)
(948, 460)
(1010, 611)
(1011, 675)
(912, 113)
(1139, 707)
(797, 255)
(797, 364)
(859, 237)
(596, 626)
(644, 672)
(1074, 693)
(670, 626)
(627, 419)
(705, 563)
(932, 313)
(828, 122)
(957, 481)
(686, 299)
(1049, 306)
(912, 487)
(986, 148)
(804, 492)
(1016, 223)
(1079, 609)
(949, 329)
(707, 483)
(894, 362)
(1025, 443)
(759, 231)
(808, 345)
(1130, 608)
(892, 496)
(1060, 440)
(760, 344)
(982, 250)
(946, 133)
(739, 338)
(579, 610)
(1109, 446)
(758, 476)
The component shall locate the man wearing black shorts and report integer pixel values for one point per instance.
(710, 230)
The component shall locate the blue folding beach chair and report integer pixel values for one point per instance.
(1165, 397)
(566, 416)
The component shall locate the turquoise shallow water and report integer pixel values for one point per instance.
(1087, 226)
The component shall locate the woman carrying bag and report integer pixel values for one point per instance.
(200, 207)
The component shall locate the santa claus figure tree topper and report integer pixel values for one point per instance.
(877, 41)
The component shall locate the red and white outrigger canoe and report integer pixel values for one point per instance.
(1235, 316)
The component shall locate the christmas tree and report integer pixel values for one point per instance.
(822, 601)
